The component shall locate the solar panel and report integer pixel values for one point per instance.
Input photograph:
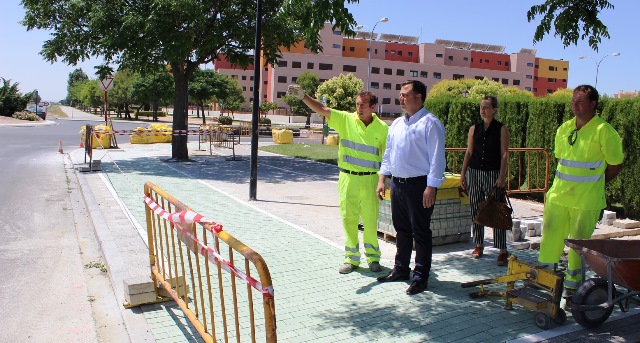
(528, 51)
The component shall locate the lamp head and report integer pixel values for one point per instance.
(359, 27)
(615, 54)
(383, 20)
(582, 57)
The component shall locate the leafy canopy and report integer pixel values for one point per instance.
(572, 20)
(340, 92)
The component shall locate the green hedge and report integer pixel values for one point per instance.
(150, 114)
(533, 122)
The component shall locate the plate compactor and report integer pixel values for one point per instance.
(541, 290)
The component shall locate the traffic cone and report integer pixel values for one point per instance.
(81, 142)
(60, 148)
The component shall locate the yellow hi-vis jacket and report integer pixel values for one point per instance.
(361, 147)
(579, 179)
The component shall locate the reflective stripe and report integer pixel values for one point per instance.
(360, 147)
(354, 258)
(370, 246)
(575, 178)
(346, 248)
(361, 162)
(575, 272)
(571, 284)
(372, 255)
(576, 164)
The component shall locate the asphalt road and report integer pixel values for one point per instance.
(52, 285)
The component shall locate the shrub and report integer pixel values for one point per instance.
(225, 120)
(264, 121)
(26, 115)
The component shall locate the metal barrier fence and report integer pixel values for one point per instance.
(527, 169)
(220, 136)
(199, 266)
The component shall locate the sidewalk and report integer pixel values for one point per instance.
(295, 226)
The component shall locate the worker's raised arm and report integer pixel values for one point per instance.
(315, 105)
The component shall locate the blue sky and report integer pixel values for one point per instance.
(497, 22)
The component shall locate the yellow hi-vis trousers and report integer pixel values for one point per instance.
(558, 223)
(358, 199)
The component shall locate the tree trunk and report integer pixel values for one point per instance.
(179, 150)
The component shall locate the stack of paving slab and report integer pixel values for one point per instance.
(526, 233)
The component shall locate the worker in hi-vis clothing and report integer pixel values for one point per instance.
(589, 153)
(363, 138)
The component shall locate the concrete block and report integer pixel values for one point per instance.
(531, 232)
(608, 215)
(139, 299)
(626, 223)
(519, 245)
(138, 285)
(534, 245)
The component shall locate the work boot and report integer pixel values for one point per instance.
(375, 267)
(347, 268)
(567, 293)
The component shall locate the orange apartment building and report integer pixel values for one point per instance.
(395, 59)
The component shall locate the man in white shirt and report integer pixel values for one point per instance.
(414, 159)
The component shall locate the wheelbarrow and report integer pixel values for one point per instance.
(616, 262)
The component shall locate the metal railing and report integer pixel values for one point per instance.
(203, 269)
(527, 170)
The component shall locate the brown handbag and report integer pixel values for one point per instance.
(494, 214)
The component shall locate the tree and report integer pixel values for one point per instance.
(11, 101)
(572, 20)
(309, 82)
(184, 34)
(153, 88)
(451, 88)
(120, 95)
(340, 92)
(77, 75)
(201, 89)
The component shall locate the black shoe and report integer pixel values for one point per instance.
(417, 286)
(394, 276)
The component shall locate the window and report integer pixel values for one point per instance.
(250, 89)
(529, 77)
(386, 51)
(386, 85)
(294, 79)
(481, 60)
(234, 77)
(437, 76)
(516, 82)
(388, 71)
(465, 58)
(375, 70)
(343, 48)
(282, 79)
(486, 61)
(499, 63)
(244, 77)
(393, 52)
(250, 78)
(564, 80)
(280, 94)
(266, 82)
(410, 54)
(479, 77)
(375, 85)
(529, 64)
(352, 49)
(471, 59)
(535, 90)
(495, 79)
(398, 86)
(549, 91)
(349, 68)
(399, 53)
(505, 81)
(565, 69)
(506, 64)
(265, 96)
(322, 80)
(450, 58)
(325, 66)
(296, 65)
(282, 64)
(397, 102)
(386, 101)
(551, 79)
(527, 89)
(413, 73)
(336, 46)
(535, 78)
(250, 99)
(309, 65)
(552, 68)
(424, 74)
(537, 66)
(438, 55)
(458, 76)
(400, 72)
(244, 88)
(337, 32)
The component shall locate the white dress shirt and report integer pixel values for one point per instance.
(415, 147)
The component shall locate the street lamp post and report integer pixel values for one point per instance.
(598, 64)
(382, 20)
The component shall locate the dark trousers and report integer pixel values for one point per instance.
(412, 223)
(480, 183)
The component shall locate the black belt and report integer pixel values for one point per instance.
(357, 173)
(409, 179)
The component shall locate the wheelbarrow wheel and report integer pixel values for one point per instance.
(542, 320)
(592, 292)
